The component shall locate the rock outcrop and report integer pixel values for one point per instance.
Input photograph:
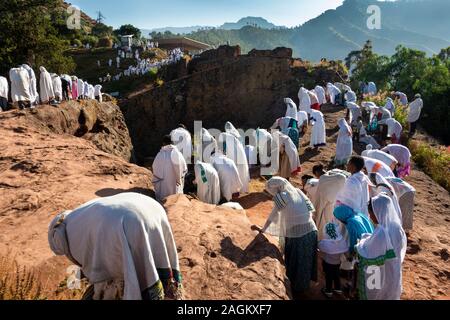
(221, 86)
(221, 258)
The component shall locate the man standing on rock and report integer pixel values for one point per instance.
(169, 170)
(415, 109)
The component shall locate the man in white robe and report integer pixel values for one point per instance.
(319, 134)
(169, 170)
(320, 92)
(4, 94)
(291, 111)
(33, 85)
(182, 139)
(305, 100)
(230, 182)
(98, 93)
(415, 110)
(20, 87)
(57, 87)
(208, 184)
(46, 86)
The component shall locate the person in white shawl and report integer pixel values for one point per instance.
(333, 92)
(46, 86)
(98, 93)
(365, 138)
(169, 170)
(406, 194)
(208, 145)
(386, 158)
(415, 110)
(291, 220)
(381, 255)
(305, 101)
(329, 186)
(319, 134)
(33, 85)
(291, 111)
(182, 139)
(208, 184)
(290, 165)
(378, 166)
(91, 90)
(80, 89)
(403, 157)
(355, 193)
(20, 87)
(233, 149)
(372, 88)
(320, 92)
(390, 105)
(264, 141)
(57, 86)
(230, 182)
(344, 146)
(395, 130)
(4, 93)
(124, 246)
(231, 129)
(354, 113)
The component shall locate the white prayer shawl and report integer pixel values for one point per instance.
(235, 151)
(4, 88)
(320, 92)
(33, 84)
(291, 111)
(303, 118)
(394, 128)
(305, 100)
(378, 166)
(264, 139)
(390, 105)
(80, 87)
(230, 182)
(86, 90)
(333, 91)
(126, 238)
(20, 84)
(209, 146)
(403, 98)
(208, 184)
(292, 214)
(331, 246)
(91, 91)
(386, 158)
(350, 96)
(57, 86)
(231, 129)
(383, 186)
(252, 155)
(182, 139)
(355, 112)
(372, 88)
(415, 109)
(46, 86)
(313, 97)
(311, 189)
(169, 170)
(325, 201)
(319, 134)
(344, 146)
(406, 196)
(399, 152)
(98, 91)
(291, 151)
(355, 193)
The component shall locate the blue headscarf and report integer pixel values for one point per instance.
(357, 224)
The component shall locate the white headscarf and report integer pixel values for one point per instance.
(291, 111)
(46, 85)
(292, 214)
(231, 129)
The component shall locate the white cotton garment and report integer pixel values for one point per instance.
(20, 84)
(80, 87)
(386, 158)
(208, 145)
(403, 98)
(372, 88)
(252, 155)
(320, 92)
(332, 91)
(344, 146)
(169, 170)
(57, 86)
(311, 187)
(182, 139)
(415, 109)
(124, 237)
(208, 184)
(33, 84)
(98, 92)
(355, 112)
(230, 182)
(399, 152)
(4, 88)
(303, 118)
(319, 134)
(291, 151)
(264, 140)
(305, 101)
(378, 166)
(235, 151)
(390, 105)
(355, 193)
(313, 97)
(46, 86)
(350, 96)
(394, 128)
(231, 129)
(291, 111)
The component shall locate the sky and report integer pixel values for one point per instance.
(149, 14)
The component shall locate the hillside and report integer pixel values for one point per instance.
(335, 33)
(257, 22)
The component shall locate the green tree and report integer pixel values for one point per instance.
(128, 29)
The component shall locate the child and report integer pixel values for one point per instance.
(332, 248)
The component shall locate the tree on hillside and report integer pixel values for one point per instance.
(28, 35)
(101, 30)
(128, 29)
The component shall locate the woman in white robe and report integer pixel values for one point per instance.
(377, 166)
(230, 182)
(231, 129)
(208, 184)
(33, 84)
(264, 141)
(344, 146)
(57, 86)
(80, 89)
(291, 111)
(305, 101)
(333, 92)
(395, 130)
(46, 86)
(169, 170)
(319, 134)
(385, 250)
(182, 139)
(20, 85)
(124, 246)
(290, 165)
(98, 93)
(234, 150)
(386, 158)
(320, 92)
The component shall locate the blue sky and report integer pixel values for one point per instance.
(182, 13)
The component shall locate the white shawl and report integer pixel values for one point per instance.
(4, 87)
(208, 184)
(344, 146)
(377, 166)
(319, 134)
(182, 139)
(291, 111)
(125, 237)
(355, 193)
(33, 83)
(320, 92)
(230, 182)
(20, 84)
(46, 85)
(305, 100)
(57, 85)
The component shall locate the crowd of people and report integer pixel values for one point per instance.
(22, 88)
(354, 216)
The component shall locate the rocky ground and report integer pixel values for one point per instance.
(46, 169)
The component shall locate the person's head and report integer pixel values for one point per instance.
(305, 179)
(418, 96)
(318, 171)
(356, 164)
(343, 213)
(167, 141)
(182, 126)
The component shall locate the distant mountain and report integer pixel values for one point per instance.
(419, 24)
(248, 21)
(174, 30)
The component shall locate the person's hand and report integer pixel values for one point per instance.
(256, 228)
